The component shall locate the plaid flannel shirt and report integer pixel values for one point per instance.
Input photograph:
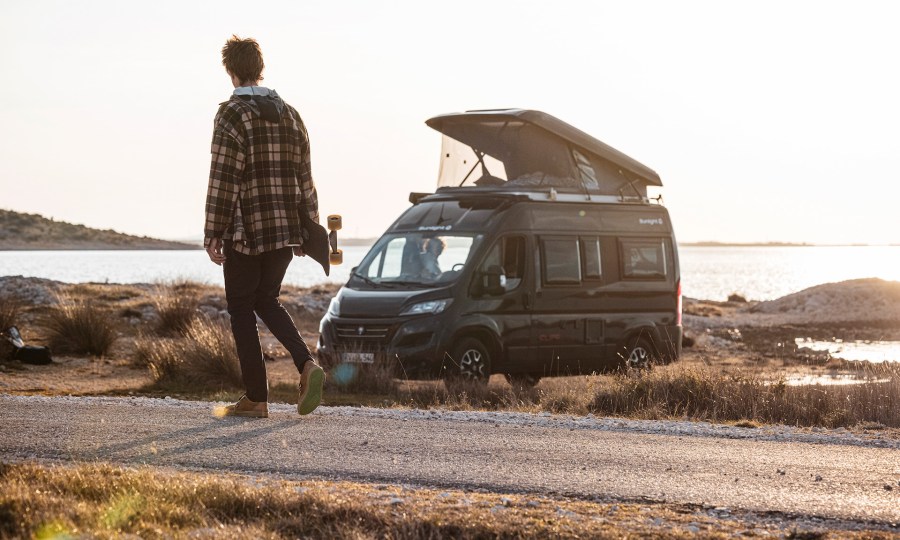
(260, 180)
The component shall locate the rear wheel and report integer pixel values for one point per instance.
(471, 362)
(639, 354)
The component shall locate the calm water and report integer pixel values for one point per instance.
(758, 273)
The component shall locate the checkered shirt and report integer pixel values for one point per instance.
(260, 180)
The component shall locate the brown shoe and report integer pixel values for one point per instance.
(246, 408)
(311, 381)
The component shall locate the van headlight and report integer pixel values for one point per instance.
(432, 307)
(334, 308)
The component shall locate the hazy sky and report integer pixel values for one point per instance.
(767, 121)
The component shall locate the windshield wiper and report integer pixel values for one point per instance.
(366, 280)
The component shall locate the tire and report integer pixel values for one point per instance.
(639, 354)
(523, 380)
(471, 362)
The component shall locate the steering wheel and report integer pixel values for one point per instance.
(455, 269)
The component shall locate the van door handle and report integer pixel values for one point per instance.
(526, 300)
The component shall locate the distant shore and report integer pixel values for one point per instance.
(99, 246)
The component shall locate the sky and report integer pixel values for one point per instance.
(767, 121)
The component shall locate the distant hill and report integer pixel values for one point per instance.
(20, 231)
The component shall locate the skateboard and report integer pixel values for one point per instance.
(321, 244)
(336, 256)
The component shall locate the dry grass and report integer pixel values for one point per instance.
(176, 305)
(102, 501)
(705, 394)
(10, 309)
(674, 392)
(376, 378)
(205, 357)
(80, 327)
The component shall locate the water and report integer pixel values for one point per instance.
(873, 351)
(712, 273)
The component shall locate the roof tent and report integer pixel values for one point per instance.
(526, 150)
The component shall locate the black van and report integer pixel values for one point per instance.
(539, 254)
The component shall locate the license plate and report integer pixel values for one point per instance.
(358, 358)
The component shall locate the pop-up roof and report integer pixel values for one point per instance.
(526, 150)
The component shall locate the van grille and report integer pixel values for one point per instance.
(365, 333)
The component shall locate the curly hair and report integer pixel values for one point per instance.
(243, 58)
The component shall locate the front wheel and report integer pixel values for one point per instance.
(471, 361)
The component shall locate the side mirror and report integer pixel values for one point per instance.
(494, 280)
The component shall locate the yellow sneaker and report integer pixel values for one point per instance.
(311, 381)
(246, 408)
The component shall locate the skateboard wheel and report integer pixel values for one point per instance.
(334, 222)
(336, 257)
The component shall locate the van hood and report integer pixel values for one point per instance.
(383, 302)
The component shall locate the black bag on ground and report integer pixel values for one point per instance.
(27, 354)
(30, 354)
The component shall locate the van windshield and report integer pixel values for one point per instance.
(414, 259)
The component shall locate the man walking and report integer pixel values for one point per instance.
(260, 184)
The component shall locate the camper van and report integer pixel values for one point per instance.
(539, 254)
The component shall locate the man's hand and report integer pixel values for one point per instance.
(214, 250)
(298, 251)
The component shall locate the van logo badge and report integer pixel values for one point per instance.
(361, 330)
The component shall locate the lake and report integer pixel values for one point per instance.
(757, 273)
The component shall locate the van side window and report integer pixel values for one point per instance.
(509, 254)
(561, 260)
(643, 259)
(590, 253)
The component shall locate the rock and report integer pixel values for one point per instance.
(30, 290)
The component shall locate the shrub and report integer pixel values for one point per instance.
(80, 328)
(176, 305)
(205, 358)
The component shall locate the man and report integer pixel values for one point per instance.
(260, 187)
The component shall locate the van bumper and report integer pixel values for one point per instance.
(412, 347)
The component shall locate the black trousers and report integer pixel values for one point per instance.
(252, 286)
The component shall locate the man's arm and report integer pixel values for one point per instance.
(225, 173)
(307, 186)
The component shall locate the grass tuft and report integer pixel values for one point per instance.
(176, 305)
(79, 327)
(10, 309)
(205, 357)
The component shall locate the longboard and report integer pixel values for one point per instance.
(322, 244)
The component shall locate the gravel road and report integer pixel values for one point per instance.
(833, 475)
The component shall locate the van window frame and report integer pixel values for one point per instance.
(582, 246)
(655, 241)
(543, 255)
(479, 268)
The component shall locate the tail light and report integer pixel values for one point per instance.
(678, 304)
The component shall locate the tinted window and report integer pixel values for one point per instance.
(590, 249)
(509, 254)
(643, 259)
(562, 263)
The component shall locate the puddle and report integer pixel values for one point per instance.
(873, 351)
(829, 380)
